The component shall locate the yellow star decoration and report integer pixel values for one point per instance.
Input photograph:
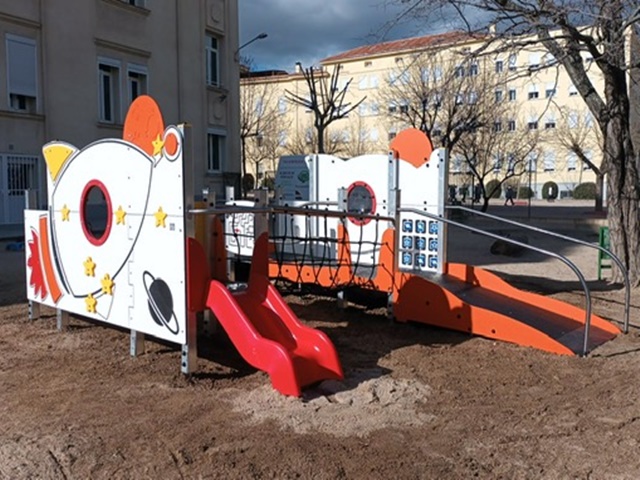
(120, 214)
(91, 303)
(65, 213)
(89, 267)
(107, 284)
(158, 143)
(160, 218)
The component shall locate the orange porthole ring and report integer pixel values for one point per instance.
(359, 186)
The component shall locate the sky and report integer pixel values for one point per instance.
(307, 31)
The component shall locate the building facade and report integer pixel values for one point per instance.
(538, 121)
(69, 70)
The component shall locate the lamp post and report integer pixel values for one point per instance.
(260, 36)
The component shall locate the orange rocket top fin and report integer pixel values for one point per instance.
(144, 125)
(413, 146)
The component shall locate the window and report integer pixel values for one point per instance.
(215, 150)
(373, 108)
(512, 94)
(473, 70)
(511, 163)
(424, 74)
(109, 90)
(459, 71)
(459, 98)
(308, 136)
(399, 60)
(497, 163)
(373, 81)
(392, 133)
(549, 161)
(393, 107)
(135, 3)
(498, 96)
(533, 92)
(532, 124)
(22, 82)
(573, 120)
(363, 82)
(549, 59)
(405, 78)
(534, 61)
(588, 120)
(513, 58)
(392, 78)
(282, 105)
(572, 161)
(550, 122)
(437, 99)
(573, 91)
(368, 63)
(136, 81)
(373, 135)
(499, 66)
(511, 125)
(362, 109)
(497, 126)
(282, 138)
(212, 61)
(472, 98)
(550, 90)
(437, 73)
(404, 106)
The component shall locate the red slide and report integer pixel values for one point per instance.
(270, 337)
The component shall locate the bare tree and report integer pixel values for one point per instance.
(326, 100)
(569, 30)
(305, 141)
(258, 119)
(496, 155)
(440, 94)
(579, 136)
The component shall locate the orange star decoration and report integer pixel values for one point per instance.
(160, 218)
(65, 213)
(91, 303)
(89, 267)
(120, 214)
(107, 284)
(158, 143)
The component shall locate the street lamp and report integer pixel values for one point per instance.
(260, 36)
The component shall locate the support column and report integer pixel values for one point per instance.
(136, 343)
(190, 349)
(62, 319)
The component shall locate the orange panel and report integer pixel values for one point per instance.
(413, 146)
(50, 275)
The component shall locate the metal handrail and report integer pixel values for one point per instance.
(627, 283)
(562, 258)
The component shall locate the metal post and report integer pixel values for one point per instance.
(229, 196)
(260, 220)
(190, 348)
(62, 319)
(30, 202)
(136, 343)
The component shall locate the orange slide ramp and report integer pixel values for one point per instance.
(473, 300)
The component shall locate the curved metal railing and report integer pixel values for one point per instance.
(627, 297)
(562, 258)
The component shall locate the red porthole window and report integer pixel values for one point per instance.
(96, 212)
(360, 200)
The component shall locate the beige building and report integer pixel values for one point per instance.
(535, 110)
(69, 69)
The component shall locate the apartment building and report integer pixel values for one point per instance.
(69, 70)
(528, 93)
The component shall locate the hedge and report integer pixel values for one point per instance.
(585, 191)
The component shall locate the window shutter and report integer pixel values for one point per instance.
(21, 66)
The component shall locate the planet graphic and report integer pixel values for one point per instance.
(160, 302)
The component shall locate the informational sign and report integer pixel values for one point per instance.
(292, 178)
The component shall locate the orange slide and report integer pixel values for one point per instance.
(473, 300)
(263, 328)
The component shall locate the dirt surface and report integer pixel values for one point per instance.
(417, 402)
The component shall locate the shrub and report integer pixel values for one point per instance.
(585, 191)
(550, 190)
(525, 192)
(248, 182)
(269, 182)
(493, 189)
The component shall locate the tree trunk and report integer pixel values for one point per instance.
(243, 165)
(485, 204)
(622, 197)
(599, 192)
(320, 139)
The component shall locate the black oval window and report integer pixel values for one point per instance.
(96, 212)
(361, 200)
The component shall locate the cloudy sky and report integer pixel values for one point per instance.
(308, 30)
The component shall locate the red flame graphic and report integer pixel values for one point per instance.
(34, 262)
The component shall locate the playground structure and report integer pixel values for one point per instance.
(120, 243)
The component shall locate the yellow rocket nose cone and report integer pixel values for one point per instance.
(56, 154)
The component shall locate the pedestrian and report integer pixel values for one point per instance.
(452, 194)
(509, 194)
(477, 193)
(463, 193)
